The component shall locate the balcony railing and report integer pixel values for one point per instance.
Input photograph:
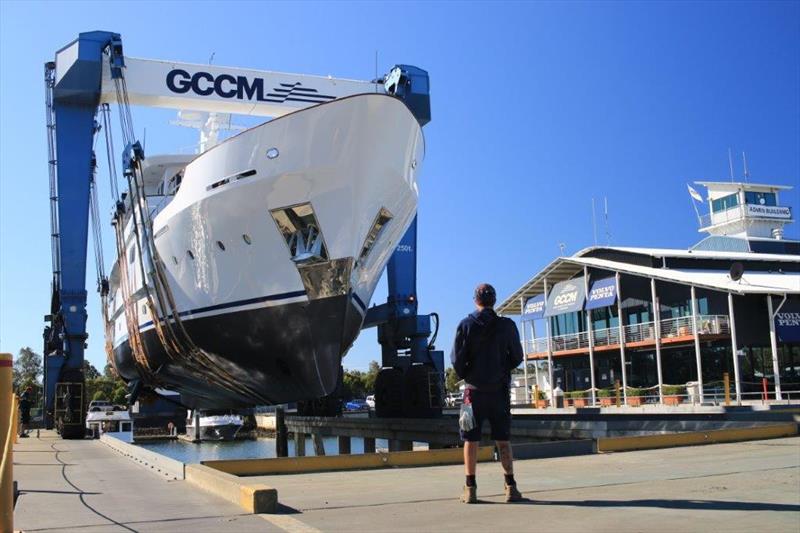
(644, 332)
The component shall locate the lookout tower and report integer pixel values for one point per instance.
(745, 217)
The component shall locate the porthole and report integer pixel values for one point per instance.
(221, 246)
(272, 153)
(246, 238)
(190, 254)
(174, 259)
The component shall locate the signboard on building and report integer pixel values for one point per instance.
(602, 294)
(787, 322)
(769, 211)
(566, 297)
(534, 308)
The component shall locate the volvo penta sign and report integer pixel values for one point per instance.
(787, 322)
(769, 211)
(602, 294)
(566, 297)
(534, 308)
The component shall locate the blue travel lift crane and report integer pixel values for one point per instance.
(412, 378)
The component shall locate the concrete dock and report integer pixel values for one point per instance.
(85, 485)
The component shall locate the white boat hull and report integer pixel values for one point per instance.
(279, 328)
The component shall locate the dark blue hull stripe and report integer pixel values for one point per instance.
(239, 303)
(359, 302)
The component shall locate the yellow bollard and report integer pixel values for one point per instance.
(6, 445)
(536, 396)
(15, 415)
(726, 380)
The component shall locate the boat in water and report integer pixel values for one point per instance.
(264, 251)
(214, 426)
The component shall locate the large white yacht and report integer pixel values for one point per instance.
(267, 249)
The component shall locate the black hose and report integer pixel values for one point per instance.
(435, 332)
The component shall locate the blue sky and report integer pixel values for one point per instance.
(537, 108)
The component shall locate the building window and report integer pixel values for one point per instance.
(726, 202)
(760, 198)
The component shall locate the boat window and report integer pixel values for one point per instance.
(760, 198)
(246, 238)
(726, 202)
(174, 183)
(381, 220)
(190, 254)
(221, 245)
(300, 229)
(132, 255)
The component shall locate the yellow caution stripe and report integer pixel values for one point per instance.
(669, 440)
(329, 463)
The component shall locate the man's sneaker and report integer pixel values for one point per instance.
(470, 495)
(512, 494)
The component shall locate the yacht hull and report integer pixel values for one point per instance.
(270, 319)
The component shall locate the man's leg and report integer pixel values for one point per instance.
(470, 457)
(506, 457)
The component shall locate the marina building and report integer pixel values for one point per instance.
(666, 323)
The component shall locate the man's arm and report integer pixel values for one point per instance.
(458, 355)
(515, 354)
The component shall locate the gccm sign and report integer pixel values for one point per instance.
(566, 297)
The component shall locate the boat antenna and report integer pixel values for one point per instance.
(594, 223)
(746, 172)
(562, 246)
(376, 71)
(605, 215)
(730, 162)
(211, 58)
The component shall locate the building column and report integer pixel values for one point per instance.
(535, 361)
(524, 349)
(622, 340)
(657, 332)
(773, 342)
(735, 349)
(549, 346)
(590, 333)
(697, 355)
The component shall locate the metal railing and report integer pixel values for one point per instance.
(645, 331)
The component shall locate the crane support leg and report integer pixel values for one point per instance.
(75, 96)
(411, 382)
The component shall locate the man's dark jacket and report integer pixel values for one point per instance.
(486, 350)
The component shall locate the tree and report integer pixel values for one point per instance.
(118, 397)
(371, 376)
(89, 370)
(27, 368)
(451, 380)
(109, 372)
(354, 384)
(99, 395)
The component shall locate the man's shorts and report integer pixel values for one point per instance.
(492, 406)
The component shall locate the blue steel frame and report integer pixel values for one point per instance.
(76, 95)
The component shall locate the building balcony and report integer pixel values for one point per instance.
(673, 330)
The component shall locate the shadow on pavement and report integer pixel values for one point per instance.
(691, 505)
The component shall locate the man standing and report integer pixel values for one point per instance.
(485, 350)
(25, 411)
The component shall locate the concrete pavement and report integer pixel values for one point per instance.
(83, 485)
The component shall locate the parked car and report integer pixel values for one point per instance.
(356, 405)
(371, 401)
(100, 405)
(453, 399)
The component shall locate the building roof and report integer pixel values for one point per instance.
(564, 268)
(737, 184)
